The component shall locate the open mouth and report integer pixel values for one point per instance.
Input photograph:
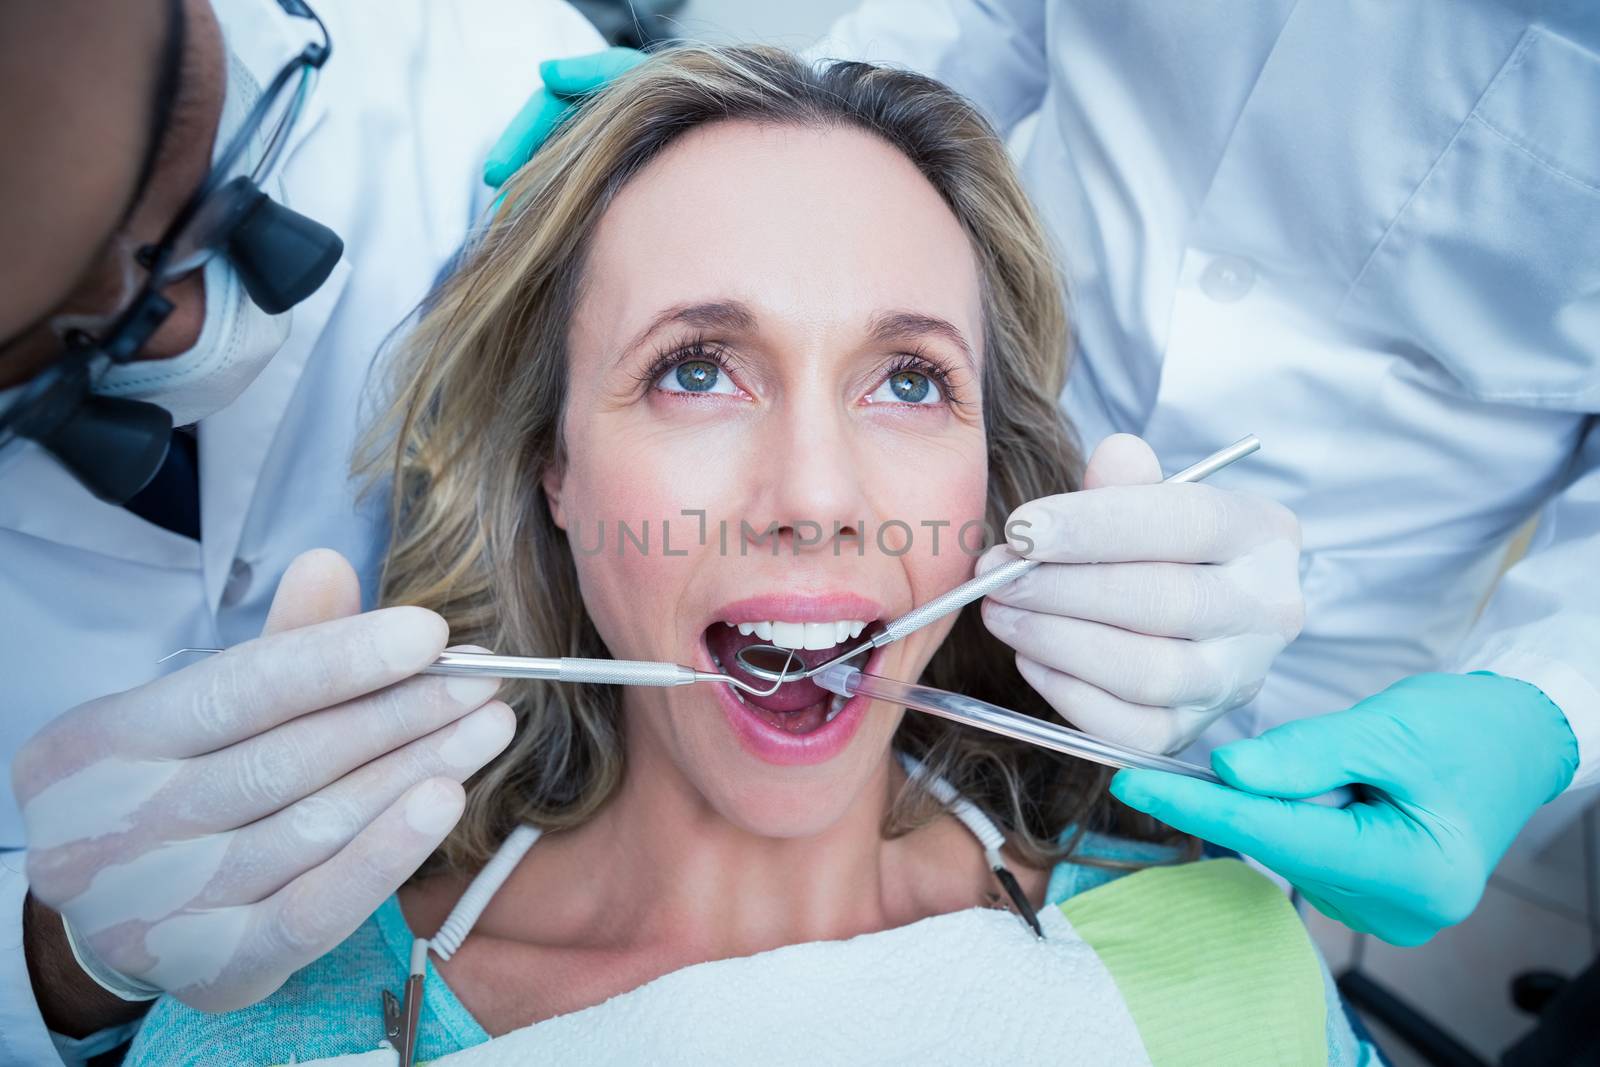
(796, 708)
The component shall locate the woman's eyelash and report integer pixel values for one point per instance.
(920, 362)
(697, 350)
(701, 350)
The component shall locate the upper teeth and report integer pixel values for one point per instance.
(804, 634)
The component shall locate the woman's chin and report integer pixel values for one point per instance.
(781, 780)
(785, 806)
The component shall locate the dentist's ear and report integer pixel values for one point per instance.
(554, 477)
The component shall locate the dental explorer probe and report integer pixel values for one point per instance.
(565, 669)
(767, 664)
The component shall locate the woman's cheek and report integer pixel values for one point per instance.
(633, 546)
(943, 505)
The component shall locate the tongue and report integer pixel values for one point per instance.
(725, 641)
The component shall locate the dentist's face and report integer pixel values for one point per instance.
(781, 328)
(85, 80)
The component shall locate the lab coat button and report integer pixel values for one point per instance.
(238, 583)
(1228, 278)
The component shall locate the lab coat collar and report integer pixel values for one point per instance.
(236, 441)
(39, 498)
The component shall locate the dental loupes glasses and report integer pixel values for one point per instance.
(771, 663)
(565, 669)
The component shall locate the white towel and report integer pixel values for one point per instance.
(970, 987)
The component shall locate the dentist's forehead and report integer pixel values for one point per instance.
(816, 229)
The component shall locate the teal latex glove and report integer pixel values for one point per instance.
(1454, 764)
(565, 82)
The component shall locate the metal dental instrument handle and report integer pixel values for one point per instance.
(967, 592)
(848, 681)
(566, 669)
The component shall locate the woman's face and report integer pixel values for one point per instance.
(773, 425)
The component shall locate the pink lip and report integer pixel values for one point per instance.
(799, 607)
(755, 736)
(785, 749)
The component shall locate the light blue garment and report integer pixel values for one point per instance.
(333, 1007)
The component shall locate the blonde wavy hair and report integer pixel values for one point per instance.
(474, 418)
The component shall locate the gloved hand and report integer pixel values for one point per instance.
(1158, 607)
(212, 831)
(565, 82)
(1456, 764)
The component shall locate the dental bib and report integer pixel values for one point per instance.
(957, 988)
(1202, 963)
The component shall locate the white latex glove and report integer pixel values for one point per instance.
(213, 831)
(1158, 607)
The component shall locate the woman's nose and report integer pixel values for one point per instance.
(816, 490)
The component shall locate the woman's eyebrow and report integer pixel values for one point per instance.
(723, 316)
(734, 317)
(889, 327)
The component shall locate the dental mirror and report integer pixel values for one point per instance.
(771, 663)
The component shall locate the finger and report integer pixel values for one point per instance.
(320, 908)
(1274, 831)
(1310, 756)
(994, 556)
(1095, 711)
(268, 854)
(528, 129)
(1331, 905)
(258, 776)
(563, 80)
(577, 75)
(1121, 459)
(1161, 599)
(1179, 522)
(254, 686)
(318, 585)
(1158, 671)
(310, 915)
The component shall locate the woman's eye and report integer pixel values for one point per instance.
(695, 376)
(907, 387)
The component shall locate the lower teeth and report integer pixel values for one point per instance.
(835, 706)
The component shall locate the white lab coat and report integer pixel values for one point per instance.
(1368, 232)
(390, 156)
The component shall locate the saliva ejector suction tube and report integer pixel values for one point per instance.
(849, 681)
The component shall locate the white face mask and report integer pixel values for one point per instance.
(235, 343)
(237, 338)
